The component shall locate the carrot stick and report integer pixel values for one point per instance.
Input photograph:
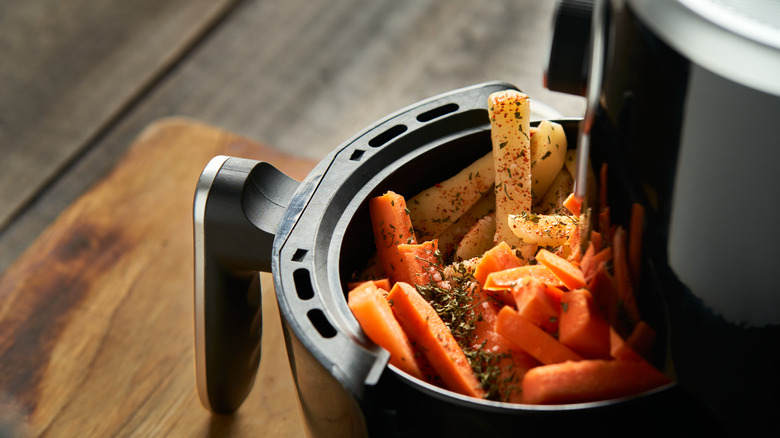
(498, 258)
(500, 283)
(602, 287)
(424, 327)
(373, 312)
(567, 272)
(573, 204)
(420, 263)
(532, 339)
(625, 290)
(635, 242)
(535, 304)
(392, 226)
(589, 380)
(618, 348)
(582, 327)
(592, 262)
(382, 283)
(595, 240)
(642, 339)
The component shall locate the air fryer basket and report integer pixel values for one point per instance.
(322, 234)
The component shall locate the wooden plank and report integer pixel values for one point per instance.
(306, 76)
(70, 68)
(96, 334)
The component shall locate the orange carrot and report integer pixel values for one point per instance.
(512, 362)
(605, 226)
(625, 290)
(373, 312)
(498, 258)
(535, 304)
(591, 261)
(582, 327)
(602, 287)
(420, 263)
(618, 348)
(424, 327)
(392, 226)
(573, 204)
(642, 339)
(595, 240)
(382, 283)
(635, 242)
(500, 283)
(589, 380)
(567, 272)
(532, 339)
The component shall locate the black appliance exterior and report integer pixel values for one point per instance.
(695, 138)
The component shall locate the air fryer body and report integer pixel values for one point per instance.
(698, 145)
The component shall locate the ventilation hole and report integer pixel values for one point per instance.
(386, 136)
(299, 255)
(303, 284)
(321, 323)
(357, 155)
(437, 112)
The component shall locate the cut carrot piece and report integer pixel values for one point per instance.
(507, 278)
(420, 264)
(625, 290)
(423, 326)
(499, 284)
(373, 312)
(392, 226)
(618, 348)
(602, 287)
(605, 226)
(589, 380)
(382, 283)
(573, 204)
(591, 262)
(582, 327)
(498, 258)
(537, 305)
(531, 338)
(570, 274)
(642, 339)
(635, 230)
(595, 240)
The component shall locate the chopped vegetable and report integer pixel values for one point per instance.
(424, 327)
(568, 273)
(392, 226)
(531, 338)
(589, 380)
(372, 311)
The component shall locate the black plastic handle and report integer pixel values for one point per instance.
(237, 208)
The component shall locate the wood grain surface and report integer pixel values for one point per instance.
(96, 318)
(302, 76)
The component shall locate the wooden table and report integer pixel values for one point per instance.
(111, 109)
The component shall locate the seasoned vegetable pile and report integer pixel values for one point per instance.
(489, 285)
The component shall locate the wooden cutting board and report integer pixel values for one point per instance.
(96, 318)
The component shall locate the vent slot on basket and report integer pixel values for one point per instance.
(321, 323)
(386, 136)
(357, 155)
(303, 285)
(437, 112)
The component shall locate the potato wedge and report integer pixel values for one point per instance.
(548, 153)
(478, 239)
(509, 112)
(436, 208)
(552, 201)
(543, 230)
